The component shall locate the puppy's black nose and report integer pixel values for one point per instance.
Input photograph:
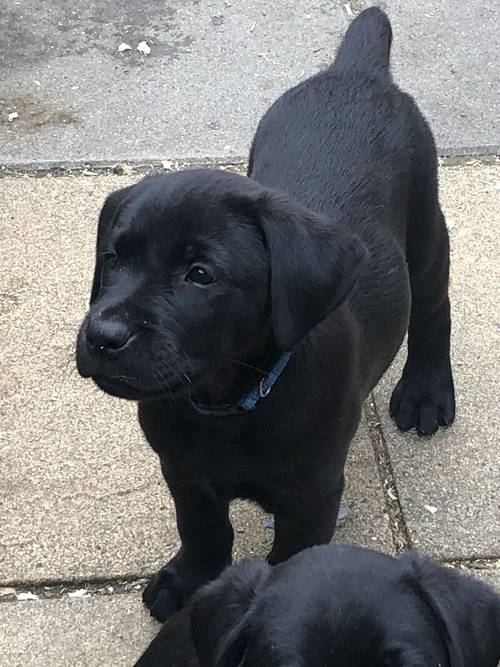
(107, 336)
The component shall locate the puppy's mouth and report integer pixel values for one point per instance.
(120, 388)
(114, 383)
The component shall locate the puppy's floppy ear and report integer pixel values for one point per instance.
(173, 645)
(108, 213)
(468, 610)
(218, 615)
(314, 265)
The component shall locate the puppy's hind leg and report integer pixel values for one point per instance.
(424, 398)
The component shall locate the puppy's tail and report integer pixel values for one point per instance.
(367, 43)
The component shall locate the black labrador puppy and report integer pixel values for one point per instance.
(251, 317)
(334, 605)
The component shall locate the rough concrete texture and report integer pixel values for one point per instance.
(82, 492)
(490, 576)
(214, 67)
(457, 472)
(101, 631)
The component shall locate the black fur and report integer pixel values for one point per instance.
(322, 251)
(334, 605)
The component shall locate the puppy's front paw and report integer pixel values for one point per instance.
(424, 401)
(161, 596)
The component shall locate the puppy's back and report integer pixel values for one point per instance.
(345, 135)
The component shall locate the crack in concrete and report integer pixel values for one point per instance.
(400, 533)
(20, 543)
(107, 496)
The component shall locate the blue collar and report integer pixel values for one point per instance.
(248, 402)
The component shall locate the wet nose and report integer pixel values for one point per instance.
(107, 336)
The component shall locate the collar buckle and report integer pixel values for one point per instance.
(248, 402)
(263, 392)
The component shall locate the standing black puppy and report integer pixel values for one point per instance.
(251, 317)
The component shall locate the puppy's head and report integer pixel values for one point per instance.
(197, 269)
(341, 605)
(306, 612)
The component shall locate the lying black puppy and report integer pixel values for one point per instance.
(334, 605)
(251, 317)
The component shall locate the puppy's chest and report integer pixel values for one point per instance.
(235, 452)
(263, 456)
(261, 474)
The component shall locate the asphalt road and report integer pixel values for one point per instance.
(214, 67)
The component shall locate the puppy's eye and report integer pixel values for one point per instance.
(199, 276)
(111, 258)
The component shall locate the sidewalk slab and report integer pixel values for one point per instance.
(214, 68)
(100, 631)
(81, 491)
(457, 471)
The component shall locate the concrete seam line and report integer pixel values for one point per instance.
(56, 590)
(482, 563)
(400, 533)
(122, 168)
(130, 167)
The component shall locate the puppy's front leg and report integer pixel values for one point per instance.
(307, 523)
(207, 540)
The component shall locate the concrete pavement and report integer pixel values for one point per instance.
(83, 504)
(98, 631)
(214, 67)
